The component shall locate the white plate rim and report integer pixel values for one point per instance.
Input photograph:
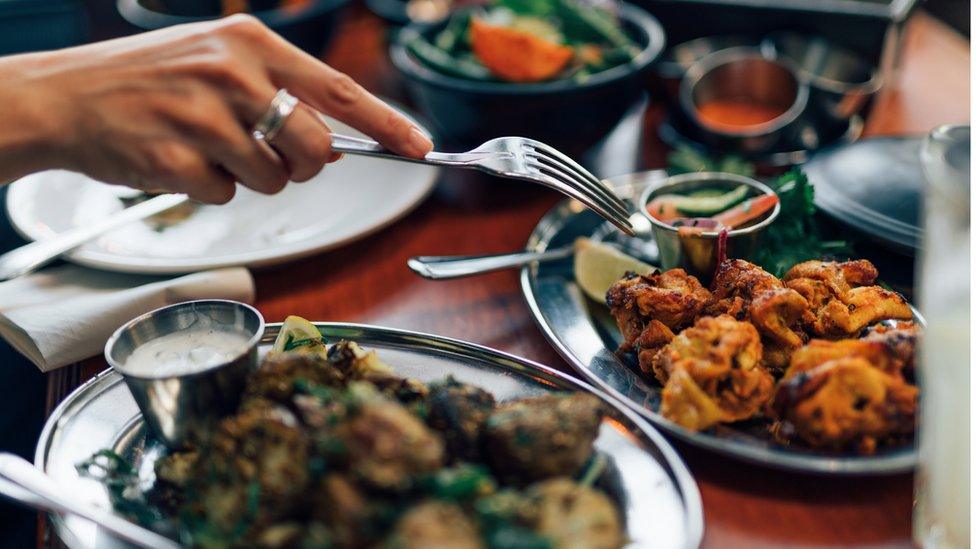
(107, 261)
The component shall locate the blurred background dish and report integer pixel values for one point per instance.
(841, 82)
(309, 24)
(347, 201)
(874, 187)
(676, 60)
(870, 29)
(742, 102)
(571, 114)
(793, 153)
(838, 83)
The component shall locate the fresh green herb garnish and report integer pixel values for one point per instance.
(122, 483)
(461, 483)
(291, 343)
(685, 159)
(794, 236)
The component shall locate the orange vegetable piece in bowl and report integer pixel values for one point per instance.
(516, 55)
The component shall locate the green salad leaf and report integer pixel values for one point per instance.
(795, 235)
(685, 159)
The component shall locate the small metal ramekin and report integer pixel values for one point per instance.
(739, 73)
(698, 253)
(183, 409)
(841, 81)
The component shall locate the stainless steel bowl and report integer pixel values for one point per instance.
(182, 409)
(699, 253)
(677, 59)
(841, 82)
(744, 74)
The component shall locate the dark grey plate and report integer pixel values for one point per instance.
(584, 333)
(657, 496)
(873, 186)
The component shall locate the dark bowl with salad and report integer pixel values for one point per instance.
(564, 72)
(309, 24)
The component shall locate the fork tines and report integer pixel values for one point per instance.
(566, 175)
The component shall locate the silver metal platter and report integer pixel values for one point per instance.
(656, 494)
(584, 333)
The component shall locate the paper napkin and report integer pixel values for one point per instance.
(65, 314)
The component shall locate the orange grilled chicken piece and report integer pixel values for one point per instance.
(673, 298)
(899, 341)
(748, 292)
(844, 403)
(841, 298)
(737, 282)
(654, 336)
(712, 373)
(889, 349)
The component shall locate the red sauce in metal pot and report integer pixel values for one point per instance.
(737, 113)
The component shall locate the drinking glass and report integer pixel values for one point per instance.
(941, 515)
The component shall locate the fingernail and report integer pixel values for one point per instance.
(420, 144)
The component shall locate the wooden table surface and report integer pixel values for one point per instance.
(368, 282)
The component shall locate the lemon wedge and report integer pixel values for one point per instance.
(298, 334)
(597, 266)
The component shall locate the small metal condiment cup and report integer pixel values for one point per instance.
(841, 81)
(676, 60)
(739, 74)
(183, 409)
(698, 253)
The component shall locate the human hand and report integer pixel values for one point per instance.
(172, 110)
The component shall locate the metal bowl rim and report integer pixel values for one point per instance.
(683, 480)
(718, 177)
(139, 15)
(697, 71)
(252, 341)
(417, 71)
(831, 85)
(669, 67)
(847, 465)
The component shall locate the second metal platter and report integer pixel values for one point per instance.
(657, 496)
(584, 333)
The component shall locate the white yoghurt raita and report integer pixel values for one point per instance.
(185, 352)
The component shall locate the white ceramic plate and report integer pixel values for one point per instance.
(348, 200)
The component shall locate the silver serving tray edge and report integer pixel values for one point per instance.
(510, 376)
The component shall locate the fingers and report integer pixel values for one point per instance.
(304, 144)
(337, 95)
(179, 168)
(253, 163)
(224, 138)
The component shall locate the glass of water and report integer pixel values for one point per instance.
(941, 516)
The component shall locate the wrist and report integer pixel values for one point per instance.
(31, 136)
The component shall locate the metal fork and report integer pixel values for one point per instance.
(516, 158)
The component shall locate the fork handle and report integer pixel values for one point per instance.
(367, 147)
(457, 266)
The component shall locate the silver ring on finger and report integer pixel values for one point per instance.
(281, 107)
